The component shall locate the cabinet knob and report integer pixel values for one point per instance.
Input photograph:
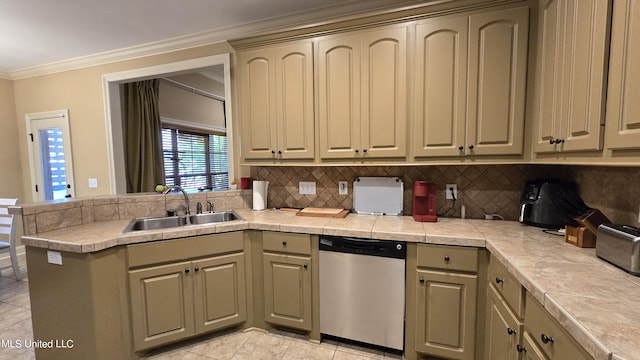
(273, 151)
(446, 258)
(499, 281)
(510, 331)
(364, 150)
(196, 269)
(546, 339)
(279, 152)
(552, 141)
(357, 151)
(186, 271)
(421, 280)
(305, 266)
(284, 243)
(461, 148)
(471, 147)
(521, 348)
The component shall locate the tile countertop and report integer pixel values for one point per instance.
(596, 302)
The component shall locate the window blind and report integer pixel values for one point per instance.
(194, 160)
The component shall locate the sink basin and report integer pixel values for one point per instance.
(215, 217)
(166, 222)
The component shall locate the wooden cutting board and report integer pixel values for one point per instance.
(323, 212)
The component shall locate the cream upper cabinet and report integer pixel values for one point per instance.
(470, 84)
(570, 75)
(498, 44)
(362, 94)
(277, 102)
(441, 87)
(623, 107)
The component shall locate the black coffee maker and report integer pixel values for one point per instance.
(551, 204)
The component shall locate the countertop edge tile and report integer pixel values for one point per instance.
(580, 334)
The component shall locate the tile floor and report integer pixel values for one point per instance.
(15, 324)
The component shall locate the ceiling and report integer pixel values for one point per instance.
(39, 32)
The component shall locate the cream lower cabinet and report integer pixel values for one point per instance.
(546, 336)
(174, 301)
(623, 107)
(571, 75)
(276, 99)
(445, 302)
(287, 274)
(362, 82)
(470, 84)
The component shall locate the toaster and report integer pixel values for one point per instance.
(620, 245)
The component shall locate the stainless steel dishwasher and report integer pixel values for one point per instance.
(362, 287)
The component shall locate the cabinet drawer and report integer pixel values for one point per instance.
(185, 248)
(507, 285)
(554, 341)
(447, 257)
(286, 242)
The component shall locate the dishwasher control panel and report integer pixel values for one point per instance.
(371, 247)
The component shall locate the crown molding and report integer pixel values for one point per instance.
(5, 75)
(302, 19)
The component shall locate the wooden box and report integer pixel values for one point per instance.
(580, 236)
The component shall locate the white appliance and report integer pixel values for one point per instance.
(260, 190)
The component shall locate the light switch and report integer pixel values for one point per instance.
(307, 187)
(93, 183)
(54, 257)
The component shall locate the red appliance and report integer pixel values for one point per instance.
(424, 202)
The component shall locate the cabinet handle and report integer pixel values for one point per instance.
(305, 266)
(273, 151)
(521, 348)
(510, 331)
(552, 141)
(470, 147)
(364, 150)
(545, 339)
(446, 258)
(196, 269)
(461, 148)
(421, 280)
(284, 243)
(357, 151)
(499, 281)
(279, 152)
(186, 271)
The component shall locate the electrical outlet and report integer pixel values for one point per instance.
(343, 188)
(451, 191)
(307, 187)
(93, 183)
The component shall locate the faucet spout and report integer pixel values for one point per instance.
(187, 210)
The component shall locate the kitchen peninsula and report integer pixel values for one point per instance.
(596, 303)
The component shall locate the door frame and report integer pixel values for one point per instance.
(34, 161)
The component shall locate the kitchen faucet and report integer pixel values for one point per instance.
(170, 188)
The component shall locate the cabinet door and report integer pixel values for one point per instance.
(446, 314)
(498, 43)
(623, 107)
(258, 101)
(161, 304)
(384, 88)
(503, 330)
(339, 97)
(294, 96)
(287, 290)
(583, 74)
(440, 87)
(219, 292)
(530, 349)
(548, 79)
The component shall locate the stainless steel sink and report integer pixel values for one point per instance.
(167, 222)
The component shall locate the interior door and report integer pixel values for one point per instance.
(50, 155)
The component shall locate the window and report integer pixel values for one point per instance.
(195, 160)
